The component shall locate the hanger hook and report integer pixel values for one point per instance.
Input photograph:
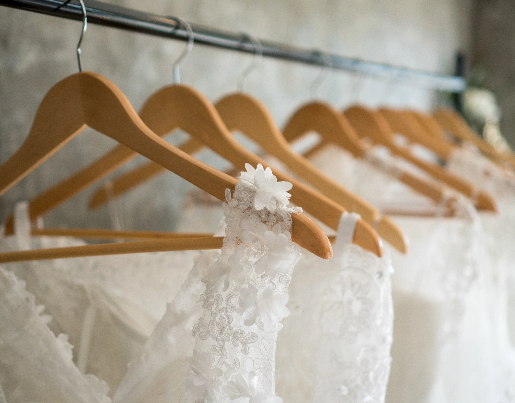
(185, 52)
(84, 28)
(326, 64)
(256, 60)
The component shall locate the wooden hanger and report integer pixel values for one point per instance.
(405, 123)
(373, 126)
(178, 104)
(431, 125)
(451, 121)
(160, 243)
(334, 128)
(88, 99)
(244, 113)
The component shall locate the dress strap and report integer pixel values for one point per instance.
(346, 229)
(22, 225)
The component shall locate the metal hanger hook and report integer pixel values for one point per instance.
(326, 65)
(185, 52)
(256, 60)
(84, 28)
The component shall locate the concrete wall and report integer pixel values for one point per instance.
(36, 51)
(492, 56)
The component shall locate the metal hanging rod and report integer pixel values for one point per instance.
(167, 27)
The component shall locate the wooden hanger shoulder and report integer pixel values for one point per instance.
(373, 126)
(407, 125)
(325, 120)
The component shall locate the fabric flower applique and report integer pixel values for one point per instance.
(249, 386)
(278, 256)
(269, 191)
(266, 304)
(240, 267)
(250, 174)
(201, 375)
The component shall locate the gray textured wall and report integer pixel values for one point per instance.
(493, 55)
(36, 51)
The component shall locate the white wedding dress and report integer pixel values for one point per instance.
(500, 228)
(107, 306)
(335, 345)
(217, 340)
(447, 333)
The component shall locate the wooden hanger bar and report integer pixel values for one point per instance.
(165, 242)
(156, 245)
(90, 99)
(168, 27)
(88, 233)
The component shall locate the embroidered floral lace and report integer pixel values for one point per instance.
(335, 345)
(246, 291)
(217, 339)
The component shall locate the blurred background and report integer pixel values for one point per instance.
(36, 51)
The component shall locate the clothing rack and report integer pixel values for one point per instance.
(168, 27)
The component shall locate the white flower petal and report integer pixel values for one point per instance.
(261, 199)
(249, 175)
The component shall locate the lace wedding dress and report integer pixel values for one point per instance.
(217, 340)
(107, 306)
(233, 300)
(446, 330)
(500, 228)
(335, 345)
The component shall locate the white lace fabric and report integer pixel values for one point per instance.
(335, 345)
(217, 339)
(224, 319)
(107, 306)
(448, 332)
(246, 290)
(35, 365)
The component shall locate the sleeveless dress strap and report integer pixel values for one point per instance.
(22, 225)
(345, 231)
